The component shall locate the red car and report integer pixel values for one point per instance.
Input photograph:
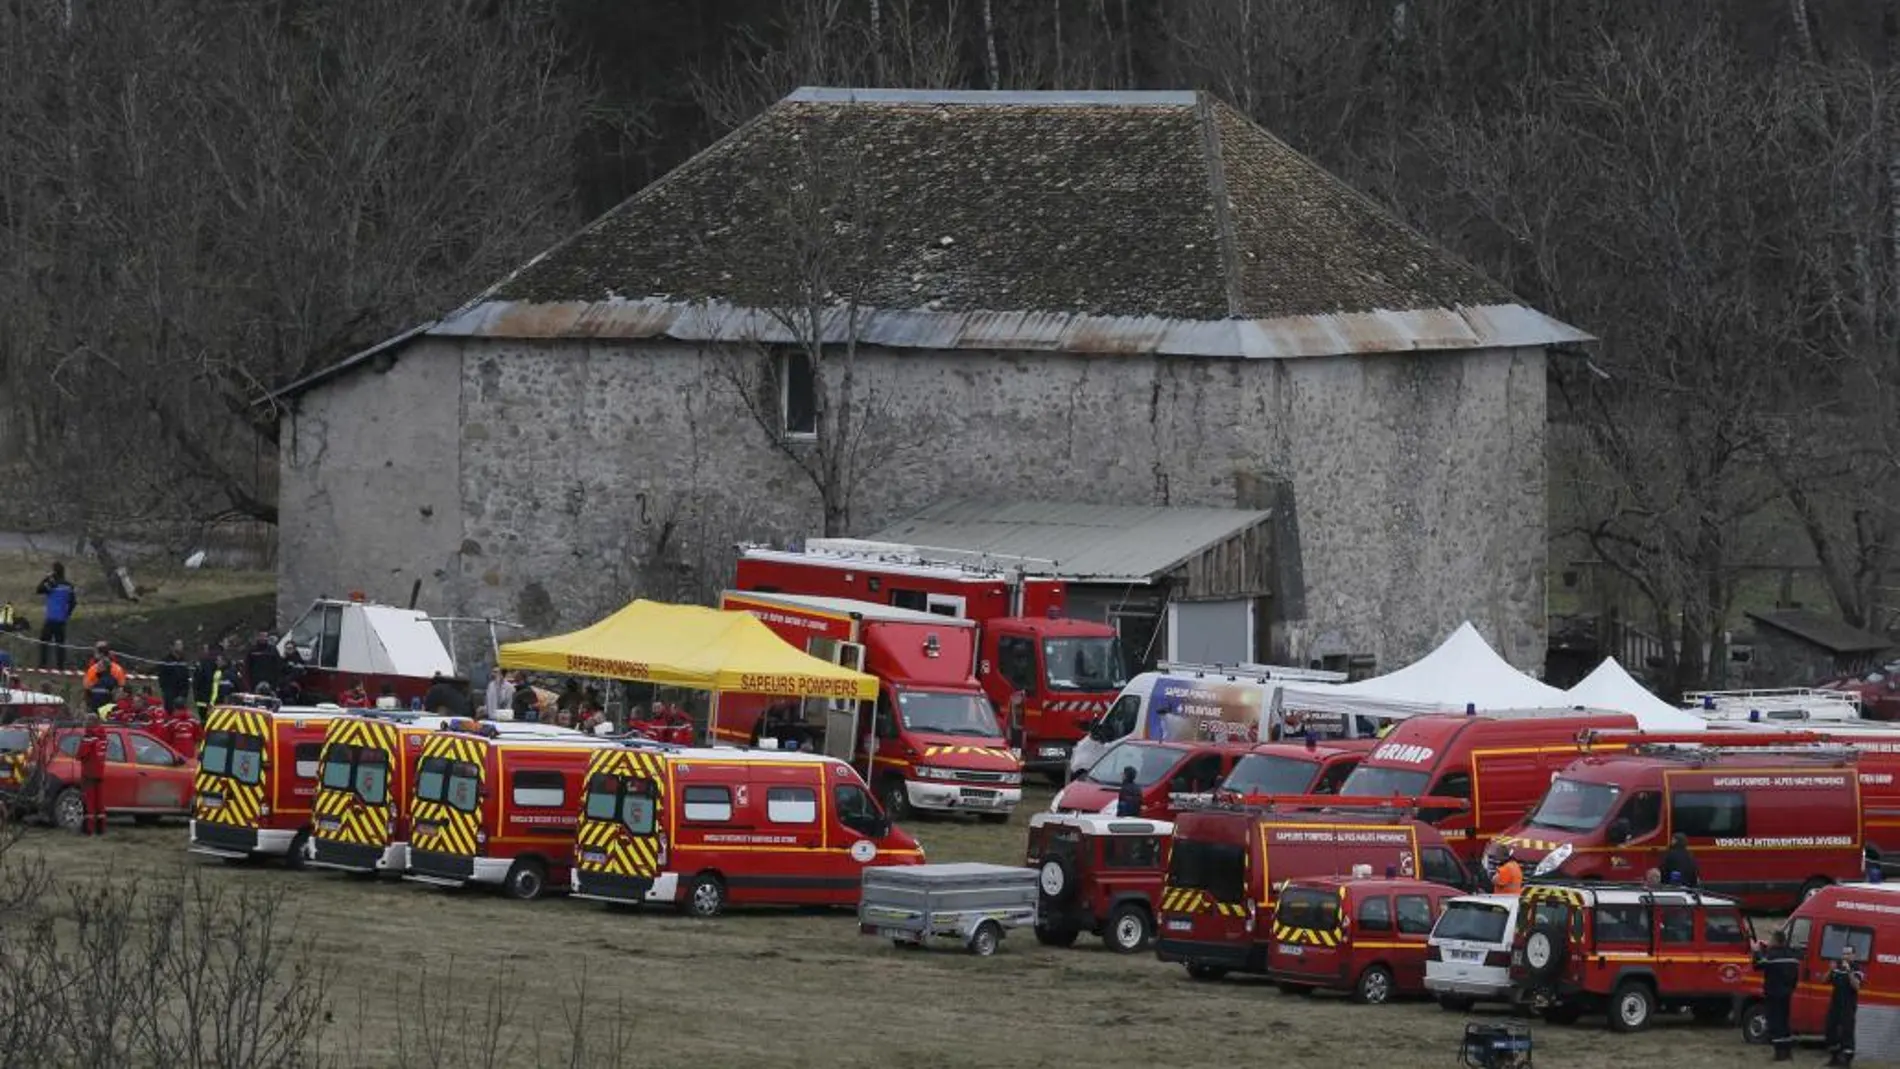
(1164, 771)
(145, 777)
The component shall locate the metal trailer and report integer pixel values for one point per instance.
(970, 902)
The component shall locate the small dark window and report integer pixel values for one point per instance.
(797, 394)
(1798, 932)
(1623, 924)
(1449, 785)
(1016, 662)
(1415, 915)
(306, 757)
(914, 600)
(533, 789)
(1644, 813)
(1440, 865)
(1724, 926)
(1678, 924)
(1375, 914)
(1330, 780)
(711, 804)
(1131, 852)
(1709, 814)
(115, 747)
(332, 638)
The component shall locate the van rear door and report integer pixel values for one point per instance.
(232, 776)
(620, 844)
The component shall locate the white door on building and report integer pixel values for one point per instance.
(1211, 632)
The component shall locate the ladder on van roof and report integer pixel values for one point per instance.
(1223, 800)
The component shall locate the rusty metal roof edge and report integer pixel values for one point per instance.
(1352, 333)
(814, 94)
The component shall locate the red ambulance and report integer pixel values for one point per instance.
(1863, 916)
(703, 829)
(1501, 766)
(932, 741)
(1767, 826)
(257, 781)
(1057, 675)
(495, 809)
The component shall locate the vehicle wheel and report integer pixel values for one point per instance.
(1544, 951)
(1206, 972)
(69, 809)
(1456, 1003)
(1301, 990)
(994, 818)
(1056, 937)
(896, 800)
(705, 896)
(1755, 1023)
(1056, 879)
(987, 937)
(1128, 929)
(1812, 888)
(294, 858)
(1563, 1013)
(145, 820)
(527, 880)
(1631, 1006)
(1374, 987)
(1710, 1012)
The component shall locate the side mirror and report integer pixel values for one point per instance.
(1620, 831)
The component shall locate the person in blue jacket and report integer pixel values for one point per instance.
(61, 599)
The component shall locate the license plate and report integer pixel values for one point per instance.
(329, 824)
(594, 857)
(1291, 951)
(427, 829)
(983, 799)
(1465, 955)
(211, 801)
(1180, 926)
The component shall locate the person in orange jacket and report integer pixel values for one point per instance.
(1510, 877)
(92, 779)
(103, 676)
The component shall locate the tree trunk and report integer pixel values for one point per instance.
(989, 45)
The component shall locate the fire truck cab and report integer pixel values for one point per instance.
(341, 643)
(1047, 675)
(930, 741)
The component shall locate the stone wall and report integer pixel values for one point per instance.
(589, 472)
(368, 484)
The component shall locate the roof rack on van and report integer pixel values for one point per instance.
(1740, 740)
(1229, 800)
(1694, 893)
(1253, 671)
(1697, 754)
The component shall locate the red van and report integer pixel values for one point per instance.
(1865, 916)
(497, 810)
(703, 829)
(1767, 826)
(1278, 768)
(1163, 770)
(257, 781)
(1500, 765)
(1366, 935)
(1229, 863)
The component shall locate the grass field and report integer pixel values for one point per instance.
(788, 989)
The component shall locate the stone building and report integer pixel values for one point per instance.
(862, 302)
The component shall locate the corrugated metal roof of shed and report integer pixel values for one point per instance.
(1126, 543)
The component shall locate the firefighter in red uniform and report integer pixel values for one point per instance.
(92, 778)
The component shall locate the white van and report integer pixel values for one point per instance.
(1210, 703)
(1468, 954)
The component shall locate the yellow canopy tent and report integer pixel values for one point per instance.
(689, 646)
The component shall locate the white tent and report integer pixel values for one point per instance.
(1610, 687)
(1466, 672)
(1463, 671)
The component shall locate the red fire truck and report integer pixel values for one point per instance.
(1050, 676)
(931, 741)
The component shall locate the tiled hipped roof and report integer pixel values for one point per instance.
(1097, 204)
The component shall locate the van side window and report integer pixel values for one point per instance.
(1836, 936)
(533, 789)
(1415, 915)
(1798, 931)
(1449, 785)
(855, 809)
(1131, 852)
(883, 723)
(1678, 924)
(1709, 814)
(1016, 662)
(1120, 719)
(115, 751)
(1644, 813)
(706, 803)
(791, 805)
(1723, 926)
(1375, 914)
(1439, 866)
(307, 755)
